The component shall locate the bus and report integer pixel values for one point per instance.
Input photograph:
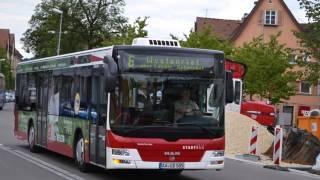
(116, 107)
(2, 91)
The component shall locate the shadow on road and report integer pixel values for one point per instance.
(99, 173)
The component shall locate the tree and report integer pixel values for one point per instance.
(310, 39)
(269, 74)
(128, 33)
(206, 40)
(86, 24)
(5, 69)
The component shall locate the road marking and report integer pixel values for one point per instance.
(49, 167)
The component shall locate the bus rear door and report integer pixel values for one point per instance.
(42, 107)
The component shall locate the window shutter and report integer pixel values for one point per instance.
(261, 19)
(279, 18)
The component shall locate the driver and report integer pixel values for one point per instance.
(185, 106)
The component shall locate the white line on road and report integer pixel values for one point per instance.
(49, 167)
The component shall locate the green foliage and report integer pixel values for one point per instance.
(268, 69)
(86, 24)
(310, 38)
(206, 40)
(128, 33)
(5, 69)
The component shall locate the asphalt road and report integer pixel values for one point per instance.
(16, 162)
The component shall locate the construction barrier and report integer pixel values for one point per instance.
(311, 124)
(253, 140)
(277, 149)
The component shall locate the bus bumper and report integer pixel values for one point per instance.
(134, 161)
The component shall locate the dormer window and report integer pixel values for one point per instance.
(270, 17)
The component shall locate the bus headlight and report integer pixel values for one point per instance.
(218, 153)
(120, 152)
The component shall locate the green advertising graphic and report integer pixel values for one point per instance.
(59, 129)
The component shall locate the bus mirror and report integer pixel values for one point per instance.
(110, 73)
(229, 87)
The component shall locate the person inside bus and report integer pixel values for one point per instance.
(185, 106)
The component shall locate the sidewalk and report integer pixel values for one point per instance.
(266, 162)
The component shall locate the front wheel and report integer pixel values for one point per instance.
(79, 155)
(31, 139)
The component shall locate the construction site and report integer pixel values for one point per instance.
(256, 131)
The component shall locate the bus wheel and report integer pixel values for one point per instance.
(79, 154)
(31, 139)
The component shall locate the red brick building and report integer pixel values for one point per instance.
(7, 42)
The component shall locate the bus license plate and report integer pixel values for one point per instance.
(171, 165)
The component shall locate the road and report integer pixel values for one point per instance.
(16, 162)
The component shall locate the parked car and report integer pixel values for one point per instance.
(2, 99)
(10, 96)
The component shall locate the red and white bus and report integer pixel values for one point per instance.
(115, 107)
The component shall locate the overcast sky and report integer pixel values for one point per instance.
(166, 16)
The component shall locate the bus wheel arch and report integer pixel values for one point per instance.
(78, 150)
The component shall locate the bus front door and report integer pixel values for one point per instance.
(98, 122)
(42, 108)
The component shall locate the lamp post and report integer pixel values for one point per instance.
(60, 27)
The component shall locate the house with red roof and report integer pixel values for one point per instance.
(266, 18)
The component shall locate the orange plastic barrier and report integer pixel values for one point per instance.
(311, 124)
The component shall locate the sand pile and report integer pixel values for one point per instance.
(238, 133)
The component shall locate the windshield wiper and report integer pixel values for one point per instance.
(199, 126)
(135, 128)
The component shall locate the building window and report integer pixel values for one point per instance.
(306, 57)
(270, 17)
(270, 1)
(305, 87)
(293, 59)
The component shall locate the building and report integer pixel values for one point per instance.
(266, 18)
(7, 42)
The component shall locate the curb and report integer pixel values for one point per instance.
(303, 173)
(287, 169)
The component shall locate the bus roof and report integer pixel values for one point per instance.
(64, 55)
(96, 56)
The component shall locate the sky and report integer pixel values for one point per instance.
(166, 17)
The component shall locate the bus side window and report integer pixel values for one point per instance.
(66, 98)
(26, 92)
(54, 96)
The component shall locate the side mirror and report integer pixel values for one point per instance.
(229, 87)
(110, 73)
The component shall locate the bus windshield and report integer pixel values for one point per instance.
(167, 101)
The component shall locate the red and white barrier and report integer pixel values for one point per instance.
(277, 148)
(253, 140)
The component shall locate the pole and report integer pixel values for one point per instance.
(59, 38)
